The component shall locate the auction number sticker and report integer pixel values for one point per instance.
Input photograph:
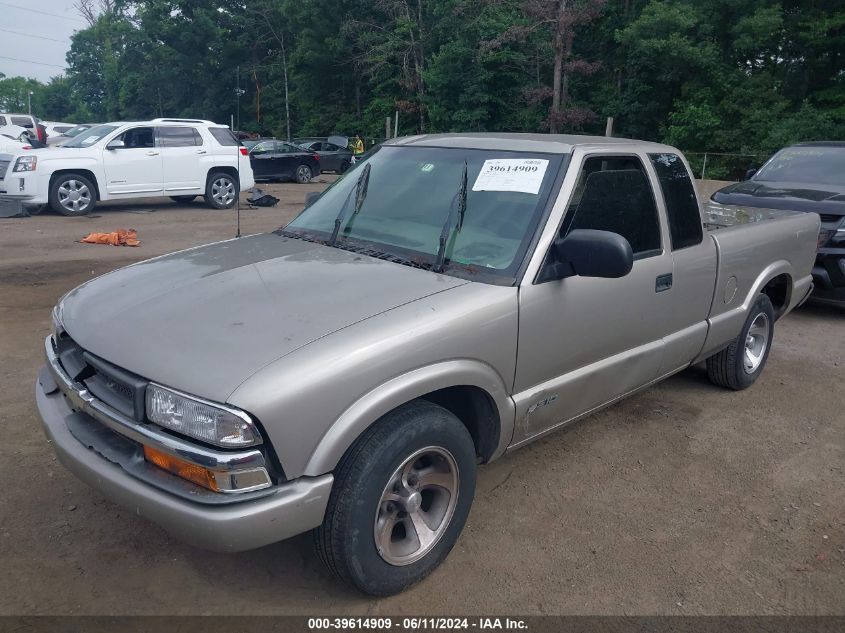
(511, 174)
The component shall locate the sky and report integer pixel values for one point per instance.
(41, 37)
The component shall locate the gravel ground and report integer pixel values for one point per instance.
(685, 499)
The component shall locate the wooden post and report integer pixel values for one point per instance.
(608, 130)
(387, 127)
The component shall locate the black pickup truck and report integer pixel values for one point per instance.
(805, 177)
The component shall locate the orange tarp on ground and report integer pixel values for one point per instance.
(121, 237)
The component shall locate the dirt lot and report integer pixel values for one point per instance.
(685, 499)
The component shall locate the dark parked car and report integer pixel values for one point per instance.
(279, 160)
(334, 153)
(805, 177)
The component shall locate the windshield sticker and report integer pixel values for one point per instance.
(512, 174)
(427, 167)
(90, 140)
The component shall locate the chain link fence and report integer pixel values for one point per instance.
(723, 166)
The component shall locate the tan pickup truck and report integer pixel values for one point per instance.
(449, 299)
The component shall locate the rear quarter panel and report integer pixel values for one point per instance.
(751, 253)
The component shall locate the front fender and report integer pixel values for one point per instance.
(413, 384)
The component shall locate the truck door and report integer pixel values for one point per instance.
(584, 342)
(694, 258)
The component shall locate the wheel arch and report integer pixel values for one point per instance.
(226, 169)
(471, 390)
(82, 172)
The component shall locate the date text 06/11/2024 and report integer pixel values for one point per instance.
(416, 624)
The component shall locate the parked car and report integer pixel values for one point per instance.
(11, 145)
(808, 177)
(333, 151)
(62, 135)
(16, 132)
(35, 128)
(56, 128)
(179, 158)
(280, 160)
(451, 299)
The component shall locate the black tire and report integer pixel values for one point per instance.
(221, 190)
(303, 174)
(183, 199)
(733, 367)
(35, 209)
(346, 542)
(344, 166)
(67, 186)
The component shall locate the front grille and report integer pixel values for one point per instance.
(4, 166)
(116, 387)
(824, 237)
(828, 218)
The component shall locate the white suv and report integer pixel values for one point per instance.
(179, 158)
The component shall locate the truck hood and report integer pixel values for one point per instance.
(828, 199)
(205, 319)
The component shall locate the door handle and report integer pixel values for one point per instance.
(201, 151)
(152, 153)
(663, 282)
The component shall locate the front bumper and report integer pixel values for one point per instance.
(102, 462)
(23, 186)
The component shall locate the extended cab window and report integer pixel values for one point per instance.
(681, 203)
(176, 137)
(613, 194)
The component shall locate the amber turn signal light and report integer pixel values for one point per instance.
(181, 468)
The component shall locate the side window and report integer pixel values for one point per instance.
(681, 203)
(197, 137)
(613, 194)
(138, 137)
(224, 136)
(263, 148)
(23, 121)
(176, 136)
(2, 120)
(328, 147)
(284, 148)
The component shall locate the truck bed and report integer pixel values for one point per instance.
(755, 245)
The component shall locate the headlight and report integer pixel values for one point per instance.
(202, 420)
(25, 163)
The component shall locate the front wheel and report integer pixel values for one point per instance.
(401, 497)
(741, 363)
(221, 192)
(72, 195)
(303, 174)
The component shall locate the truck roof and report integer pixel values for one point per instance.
(549, 143)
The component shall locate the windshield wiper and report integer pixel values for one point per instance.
(459, 202)
(360, 191)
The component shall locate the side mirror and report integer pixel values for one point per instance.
(310, 197)
(591, 253)
(750, 173)
(116, 144)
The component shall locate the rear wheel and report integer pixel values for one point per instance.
(303, 174)
(741, 363)
(182, 199)
(401, 497)
(72, 195)
(221, 192)
(343, 166)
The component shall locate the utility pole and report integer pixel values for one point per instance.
(29, 101)
(239, 93)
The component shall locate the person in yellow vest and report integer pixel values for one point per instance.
(357, 145)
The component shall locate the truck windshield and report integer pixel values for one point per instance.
(410, 193)
(817, 165)
(90, 136)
